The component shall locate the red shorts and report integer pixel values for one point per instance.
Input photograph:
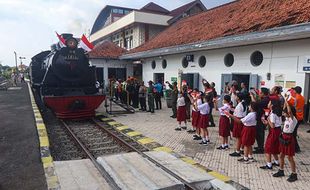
(272, 141)
(195, 118)
(203, 121)
(289, 149)
(248, 135)
(237, 129)
(224, 126)
(181, 113)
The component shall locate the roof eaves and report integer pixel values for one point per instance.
(291, 32)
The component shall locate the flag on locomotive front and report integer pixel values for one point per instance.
(85, 44)
(62, 41)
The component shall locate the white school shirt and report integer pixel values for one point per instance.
(204, 109)
(275, 119)
(239, 111)
(289, 124)
(181, 101)
(225, 107)
(249, 120)
(199, 102)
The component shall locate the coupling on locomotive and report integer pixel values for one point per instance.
(65, 79)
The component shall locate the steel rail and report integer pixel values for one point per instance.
(102, 171)
(186, 184)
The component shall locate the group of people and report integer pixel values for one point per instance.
(246, 115)
(15, 77)
(134, 92)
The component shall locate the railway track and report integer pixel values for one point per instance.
(97, 139)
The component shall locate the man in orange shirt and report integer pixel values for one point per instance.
(298, 101)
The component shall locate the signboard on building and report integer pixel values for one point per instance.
(279, 80)
(290, 84)
(304, 66)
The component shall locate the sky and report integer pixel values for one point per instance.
(28, 26)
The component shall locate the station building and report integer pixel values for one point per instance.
(129, 28)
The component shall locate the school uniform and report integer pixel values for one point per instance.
(287, 134)
(248, 133)
(196, 114)
(272, 141)
(181, 112)
(204, 111)
(240, 113)
(224, 123)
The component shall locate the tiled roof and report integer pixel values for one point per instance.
(239, 17)
(107, 50)
(152, 7)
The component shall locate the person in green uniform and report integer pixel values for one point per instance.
(150, 97)
(174, 97)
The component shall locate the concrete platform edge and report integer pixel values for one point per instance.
(46, 158)
(152, 145)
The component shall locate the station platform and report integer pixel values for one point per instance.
(20, 160)
(157, 129)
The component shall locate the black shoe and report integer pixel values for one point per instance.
(280, 173)
(212, 125)
(241, 152)
(226, 147)
(275, 164)
(308, 131)
(152, 112)
(191, 131)
(298, 151)
(204, 143)
(178, 129)
(196, 138)
(235, 154)
(266, 167)
(148, 111)
(173, 116)
(184, 127)
(220, 148)
(292, 177)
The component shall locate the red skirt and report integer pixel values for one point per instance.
(272, 141)
(195, 118)
(248, 135)
(203, 121)
(289, 149)
(224, 126)
(181, 113)
(237, 129)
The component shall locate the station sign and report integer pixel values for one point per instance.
(306, 69)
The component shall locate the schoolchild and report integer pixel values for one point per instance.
(248, 133)
(196, 116)
(195, 113)
(181, 112)
(240, 112)
(203, 125)
(224, 123)
(287, 142)
(274, 121)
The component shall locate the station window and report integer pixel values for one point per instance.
(126, 12)
(184, 62)
(229, 60)
(115, 11)
(164, 63)
(257, 58)
(202, 61)
(153, 64)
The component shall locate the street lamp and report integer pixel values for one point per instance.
(15, 60)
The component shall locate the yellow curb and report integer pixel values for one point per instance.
(42, 133)
(163, 148)
(44, 141)
(105, 119)
(219, 176)
(47, 160)
(122, 128)
(47, 164)
(189, 160)
(52, 182)
(146, 140)
(112, 123)
(40, 126)
(133, 133)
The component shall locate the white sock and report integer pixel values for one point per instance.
(237, 151)
(269, 164)
(276, 161)
(203, 139)
(207, 138)
(250, 156)
(223, 145)
(245, 158)
(179, 126)
(185, 124)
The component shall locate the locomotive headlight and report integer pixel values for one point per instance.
(71, 43)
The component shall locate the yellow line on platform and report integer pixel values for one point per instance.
(47, 160)
(41, 126)
(146, 140)
(219, 176)
(105, 119)
(133, 133)
(163, 148)
(113, 123)
(122, 128)
(44, 141)
(189, 160)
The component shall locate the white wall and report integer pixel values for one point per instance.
(279, 58)
(105, 64)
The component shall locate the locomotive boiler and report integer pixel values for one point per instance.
(65, 80)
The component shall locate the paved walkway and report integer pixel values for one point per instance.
(160, 127)
(20, 164)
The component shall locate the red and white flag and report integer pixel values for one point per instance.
(85, 44)
(62, 41)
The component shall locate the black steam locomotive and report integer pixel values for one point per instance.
(65, 80)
